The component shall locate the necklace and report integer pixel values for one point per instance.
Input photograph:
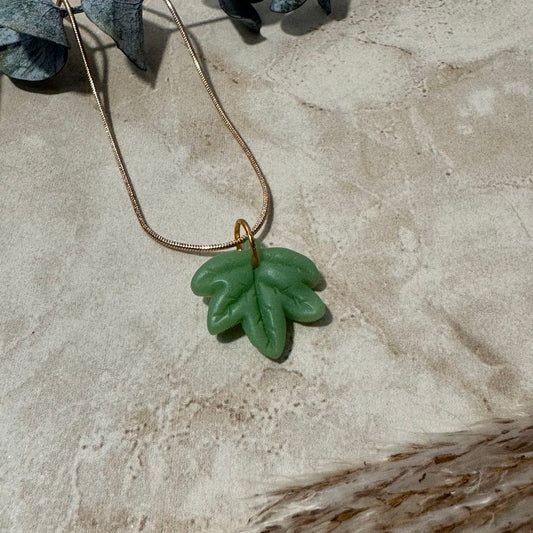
(256, 287)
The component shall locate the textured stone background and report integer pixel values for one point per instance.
(397, 139)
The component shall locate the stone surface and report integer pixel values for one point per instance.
(396, 137)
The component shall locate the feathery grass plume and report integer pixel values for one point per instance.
(477, 480)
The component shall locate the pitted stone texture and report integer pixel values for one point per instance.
(397, 142)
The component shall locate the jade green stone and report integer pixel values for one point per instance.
(260, 299)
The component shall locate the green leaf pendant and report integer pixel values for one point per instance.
(261, 299)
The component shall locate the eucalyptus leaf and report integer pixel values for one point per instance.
(39, 18)
(25, 57)
(285, 6)
(243, 11)
(122, 20)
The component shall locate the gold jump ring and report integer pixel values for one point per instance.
(250, 235)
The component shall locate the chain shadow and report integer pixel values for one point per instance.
(237, 332)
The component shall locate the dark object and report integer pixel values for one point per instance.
(25, 57)
(243, 10)
(34, 46)
(123, 21)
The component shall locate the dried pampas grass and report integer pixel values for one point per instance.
(478, 480)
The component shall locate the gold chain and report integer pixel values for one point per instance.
(175, 245)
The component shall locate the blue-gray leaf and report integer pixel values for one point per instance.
(242, 11)
(40, 18)
(121, 20)
(285, 6)
(29, 58)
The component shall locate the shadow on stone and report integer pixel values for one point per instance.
(311, 17)
(321, 285)
(231, 335)
(237, 332)
(155, 43)
(326, 320)
(306, 19)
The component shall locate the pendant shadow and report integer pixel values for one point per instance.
(326, 320)
(230, 335)
(321, 285)
(237, 332)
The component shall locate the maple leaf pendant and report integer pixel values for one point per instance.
(260, 298)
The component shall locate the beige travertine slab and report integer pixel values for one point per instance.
(396, 137)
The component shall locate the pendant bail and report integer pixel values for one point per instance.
(251, 240)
